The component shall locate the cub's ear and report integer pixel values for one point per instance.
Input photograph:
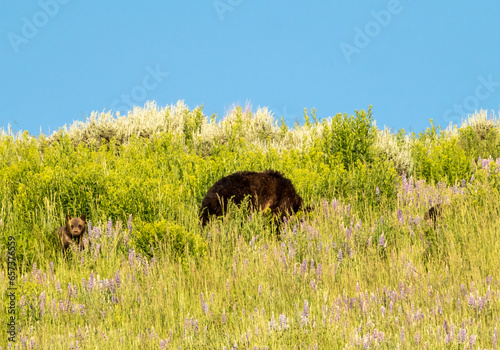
(68, 218)
(83, 217)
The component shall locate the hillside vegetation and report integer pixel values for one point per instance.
(363, 269)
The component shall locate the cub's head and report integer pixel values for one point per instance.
(76, 226)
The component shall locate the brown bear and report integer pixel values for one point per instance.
(267, 190)
(433, 214)
(73, 232)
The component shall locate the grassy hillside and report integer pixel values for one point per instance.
(364, 269)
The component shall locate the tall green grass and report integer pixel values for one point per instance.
(362, 270)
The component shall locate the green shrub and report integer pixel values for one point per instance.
(178, 242)
(438, 157)
(348, 139)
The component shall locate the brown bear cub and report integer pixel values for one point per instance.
(73, 232)
(267, 190)
(433, 214)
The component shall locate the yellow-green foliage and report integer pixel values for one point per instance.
(362, 269)
(150, 236)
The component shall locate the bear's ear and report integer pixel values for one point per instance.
(83, 217)
(68, 218)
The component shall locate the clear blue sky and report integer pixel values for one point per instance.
(411, 60)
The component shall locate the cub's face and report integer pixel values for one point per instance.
(75, 226)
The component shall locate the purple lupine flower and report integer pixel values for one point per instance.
(306, 308)
(82, 309)
(303, 267)
(405, 182)
(359, 225)
(488, 278)
(84, 284)
(403, 336)
(204, 305)
(24, 341)
(111, 286)
(463, 332)
(90, 231)
(38, 276)
(319, 271)
(42, 303)
(272, 323)
(377, 191)
(117, 279)
(472, 301)
(23, 304)
(486, 163)
(401, 219)
(325, 206)
(282, 321)
(90, 285)
(131, 256)
(313, 286)
(97, 248)
(472, 341)
(339, 256)
(51, 268)
(381, 241)
(348, 232)
(58, 286)
(109, 232)
(97, 232)
(129, 224)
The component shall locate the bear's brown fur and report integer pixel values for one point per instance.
(73, 232)
(267, 190)
(433, 214)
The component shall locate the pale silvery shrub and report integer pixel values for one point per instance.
(400, 154)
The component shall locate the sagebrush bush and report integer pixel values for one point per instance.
(395, 148)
